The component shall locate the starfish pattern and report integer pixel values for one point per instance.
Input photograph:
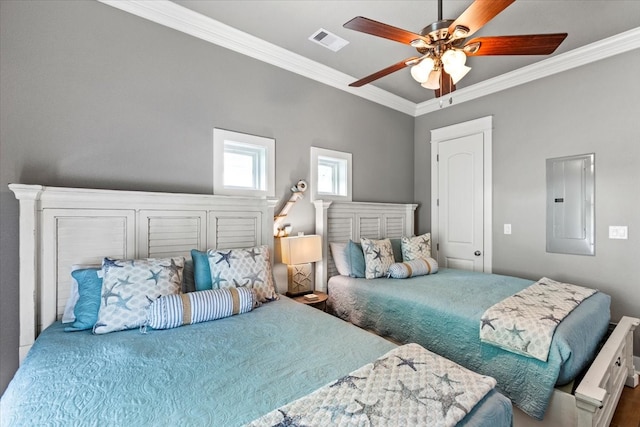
(370, 246)
(516, 332)
(525, 346)
(572, 300)
(349, 380)
(407, 393)
(380, 362)
(377, 254)
(254, 278)
(108, 293)
(108, 263)
(444, 379)
(336, 411)
(409, 362)
(122, 302)
(155, 276)
(240, 285)
(368, 410)
(124, 282)
(487, 322)
(251, 253)
(289, 421)
(225, 257)
(172, 267)
(448, 400)
(389, 253)
(216, 281)
(551, 317)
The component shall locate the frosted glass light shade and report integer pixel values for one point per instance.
(459, 73)
(420, 72)
(453, 59)
(301, 249)
(433, 82)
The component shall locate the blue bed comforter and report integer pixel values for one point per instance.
(442, 313)
(226, 372)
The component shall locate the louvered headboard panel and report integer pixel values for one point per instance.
(343, 221)
(60, 227)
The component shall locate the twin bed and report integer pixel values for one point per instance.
(443, 312)
(257, 367)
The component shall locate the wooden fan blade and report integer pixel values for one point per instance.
(479, 13)
(446, 85)
(533, 44)
(375, 76)
(375, 28)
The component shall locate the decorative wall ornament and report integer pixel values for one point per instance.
(297, 193)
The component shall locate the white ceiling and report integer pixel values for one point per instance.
(288, 24)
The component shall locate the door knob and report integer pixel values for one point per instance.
(477, 253)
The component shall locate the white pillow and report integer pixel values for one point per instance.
(378, 256)
(416, 247)
(130, 286)
(243, 267)
(339, 255)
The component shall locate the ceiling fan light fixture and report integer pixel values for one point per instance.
(421, 71)
(453, 60)
(433, 82)
(460, 32)
(459, 73)
(419, 43)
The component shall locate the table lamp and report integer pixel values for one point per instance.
(298, 253)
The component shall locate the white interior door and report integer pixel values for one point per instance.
(461, 203)
(461, 195)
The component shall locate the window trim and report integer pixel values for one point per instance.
(346, 180)
(222, 136)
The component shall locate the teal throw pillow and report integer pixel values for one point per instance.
(88, 305)
(355, 258)
(201, 270)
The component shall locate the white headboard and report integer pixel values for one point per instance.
(60, 227)
(344, 221)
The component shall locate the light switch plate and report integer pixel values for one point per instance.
(618, 232)
(507, 229)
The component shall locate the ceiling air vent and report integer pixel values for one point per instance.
(328, 40)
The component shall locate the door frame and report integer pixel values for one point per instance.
(483, 125)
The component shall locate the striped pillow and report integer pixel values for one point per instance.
(171, 311)
(417, 267)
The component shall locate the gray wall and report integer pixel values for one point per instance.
(592, 109)
(95, 97)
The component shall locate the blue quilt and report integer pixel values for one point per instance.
(226, 372)
(442, 313)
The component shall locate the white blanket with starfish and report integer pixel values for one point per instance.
(407, 386)
(525, 322)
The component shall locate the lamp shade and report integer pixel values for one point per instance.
(301, 249)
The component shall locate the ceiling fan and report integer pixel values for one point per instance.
(443, 47)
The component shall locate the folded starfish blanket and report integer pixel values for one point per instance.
(524, 323)
(407, 386)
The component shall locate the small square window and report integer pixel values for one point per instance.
(243, 164)
(330, 175)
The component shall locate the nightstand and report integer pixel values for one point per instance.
(320, 303)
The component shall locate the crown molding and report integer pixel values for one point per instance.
(172, 15)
